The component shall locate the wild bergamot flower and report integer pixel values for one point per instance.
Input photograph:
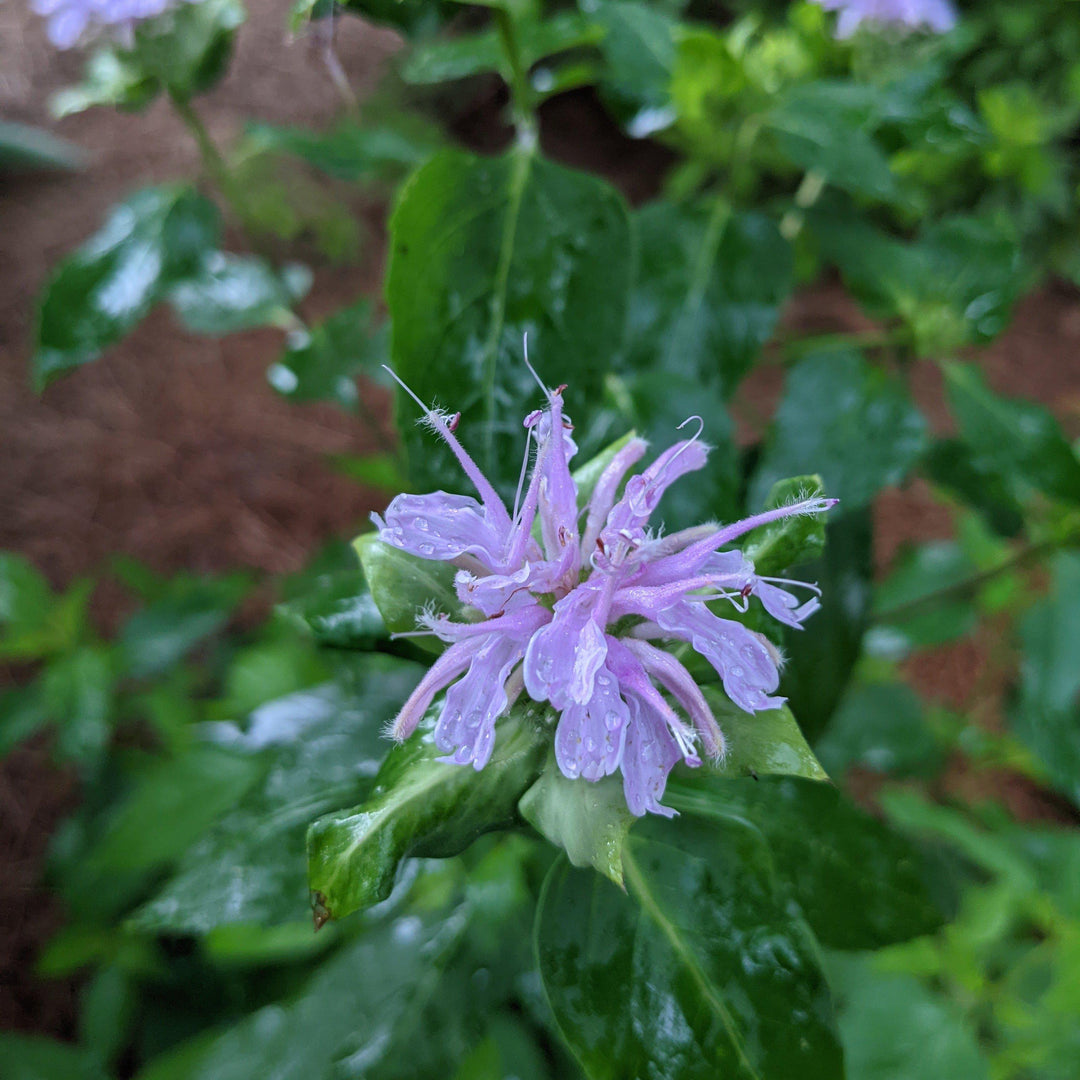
(69, 20)
(573, 608)
(935, 15)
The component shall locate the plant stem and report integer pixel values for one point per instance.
(213, 162)
(524, 115)
(966, 586)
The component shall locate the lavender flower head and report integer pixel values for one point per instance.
(935, 15)
(571, 607)
(70, 20)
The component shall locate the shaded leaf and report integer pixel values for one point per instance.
(24, 148)
(855, 424)
(965, 474)
(31, 1057)
(859, 883)
(1014, 438)
(698, 970)
(484, 250)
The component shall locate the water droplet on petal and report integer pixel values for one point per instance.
(612, 720)
(426, 548)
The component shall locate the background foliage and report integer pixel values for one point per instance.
(511, 923)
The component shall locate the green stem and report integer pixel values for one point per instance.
(213, 162)
(959, 590)
(521, 96)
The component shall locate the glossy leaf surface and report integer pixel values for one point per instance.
(98, 294)
(859, 883)
(420, 806)
(483, 251)
(697, 971)
(317, 748)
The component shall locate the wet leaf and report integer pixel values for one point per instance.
(697, 971)
(420, 806)
(483, 250)
(859, 883)
(97, 295)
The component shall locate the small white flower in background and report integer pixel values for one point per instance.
(935, 15)
(71, 20)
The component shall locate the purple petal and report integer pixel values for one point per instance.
(648, 757)
(603, 496)
(783, 605)
(563, 658)
(466, 726)
(442, 527)
(589, 739)
(747, 667)
(444, 671)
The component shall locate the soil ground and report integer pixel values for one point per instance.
(174, 449)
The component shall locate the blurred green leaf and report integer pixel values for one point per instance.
(110, 78)
(708, 292)
(791, 541)
(859, 883)
(420, 806)
(589, 821)
(97, 295)
(25, 596)
(903, 608)
(856, 424)
(1047, 716)
(237, 292)
(880, 726)
(1015, 438)
(185, 611)
(319, 748)
(698, 970)
(24, 149)
(484, 250)
(322, 363)
(827, 127)
(955, 466)
(893, 1027)
(32, 1057)
(78, 692)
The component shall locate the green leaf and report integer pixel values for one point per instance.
(892, 1026)
(697, 971)
(589, 821)
(230, 293)
(1047, 716)
(880, 726)
(759, 744)
(184, 613)
(851, 422)
(483, 250)
(1014, 438)
(319, 749)
(338, 611)
(25, 596)
(474, 54)
(348, 151)
(792, 541)
(903, 611)
(321, 363)
(421, 806)
(402, 584)
(345, 1014)
(31, 1057)
(78, 694)
(966, 475)
(111, 78)
(97, 295)
(24, 148)
(822, 657)
(708, 293)
(827, 127)
(859, 883)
